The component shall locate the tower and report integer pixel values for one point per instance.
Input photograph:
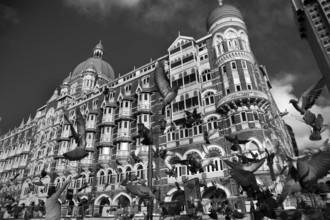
(312, 18)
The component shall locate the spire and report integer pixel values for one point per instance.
(220, 2)
(98, 50)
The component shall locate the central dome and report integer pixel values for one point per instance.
(101, 67)
(220, 12)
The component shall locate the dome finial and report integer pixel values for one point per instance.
(220, 2)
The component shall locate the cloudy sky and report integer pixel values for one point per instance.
(42, 41)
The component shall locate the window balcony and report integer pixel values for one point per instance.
(238, 98)
(59, 169)
(124, 136)
(22, 163)
(108, 118)
(122, 156)
(91, 126)
(144, 107)
(72, 166)
(104, 160)
(26, 149)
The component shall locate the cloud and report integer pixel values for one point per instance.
(8, 16)
(283, 91)
(99, 10)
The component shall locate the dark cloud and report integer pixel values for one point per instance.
(8, 16)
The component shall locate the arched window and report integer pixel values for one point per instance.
(206, 75)
(197, 128)
(140, 171)
(128, 89)
(212, 123)
(145, 81)
(119, 175)
(110, 177)
(209, 98)
(171, 135)
(128, 171)
(101, 178)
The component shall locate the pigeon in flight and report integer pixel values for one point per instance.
(236, 142)
(304, 172)
(163, 86)
(192, 118)
(80, 137)
(270, 162)
(252, 167)
(308, 97)
(135, 155)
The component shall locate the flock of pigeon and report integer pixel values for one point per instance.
(302, 172)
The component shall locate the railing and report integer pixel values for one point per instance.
(146, 107)
(108, 118)
(125, 112)
(240, 95)
(112, 212)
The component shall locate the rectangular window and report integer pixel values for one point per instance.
(249, 87)
(243, 116)
(181, 105)
(233, 65)
(224, 70)
(232, 120)
(238, 88)
(146, 96)
(126, 104)
(228, 91)
(186, 80)
(244, 64)
(180, 82)
(125, 124)
(145, 118)
(192, 77)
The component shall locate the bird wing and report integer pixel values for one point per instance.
(234, 165)
(308, 98)
(309, 118)
(73, 131)
(161, 81)
(81, 123)
(168, 165)
(243, 141)
(205, 149)
(313, 167)
(228, 138)
(285, 192)
(188, 114)
(243, 177)
(252, 167)
(325, 146)
(206, 162)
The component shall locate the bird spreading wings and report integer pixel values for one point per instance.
(308, 97)
(192, 118)
(145, 133)
(163, 86)
(236, 142)
(80, 137)
(252, 167)
(305, 171)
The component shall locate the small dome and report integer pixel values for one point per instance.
(99, 65)
(99, 46)
(220, 12)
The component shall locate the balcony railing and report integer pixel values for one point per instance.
(125, 112)
(108, 118)
(241, 95)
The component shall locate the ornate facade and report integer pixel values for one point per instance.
(219, 76)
